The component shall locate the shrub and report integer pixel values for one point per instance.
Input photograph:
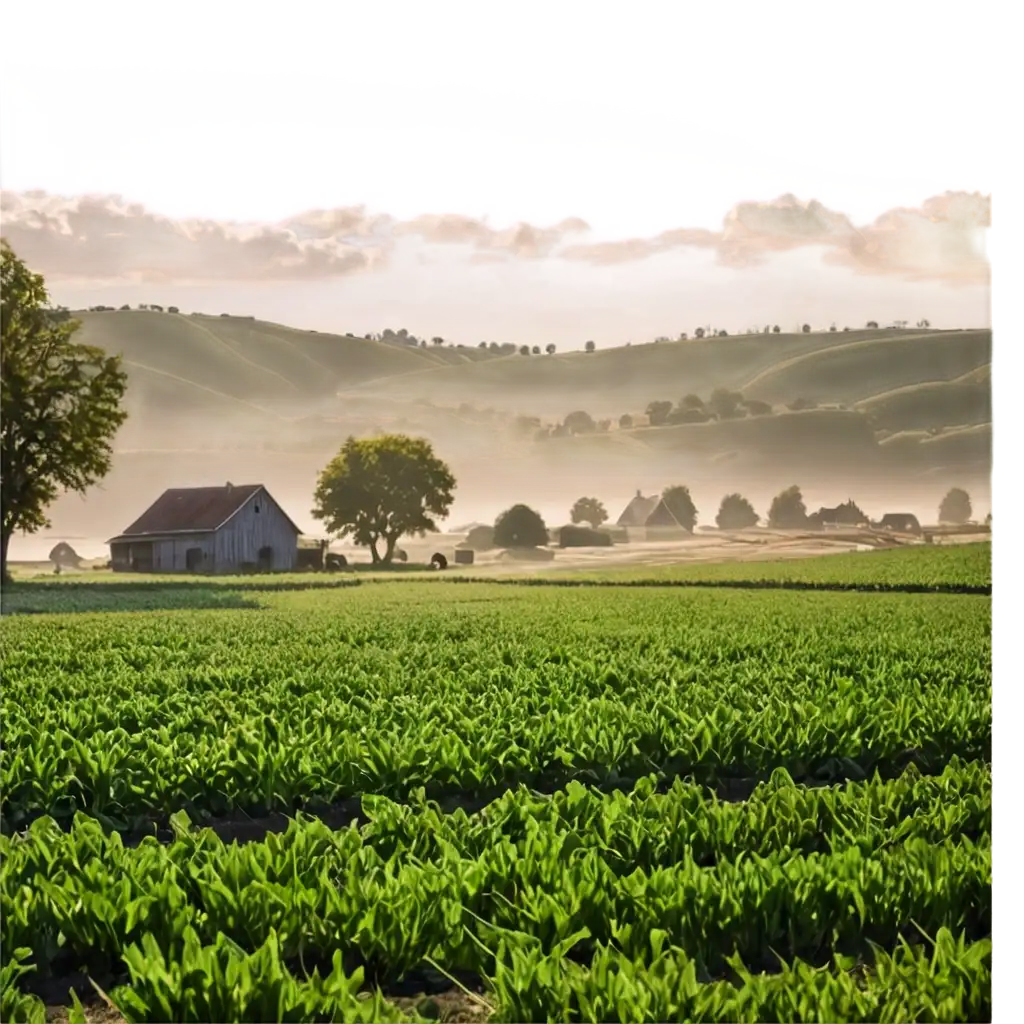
(583, 537)
(520, 527)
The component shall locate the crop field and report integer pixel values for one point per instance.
(486, 801)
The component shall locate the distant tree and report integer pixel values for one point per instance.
(156, 309)
(692, 401)
(755, 407)
(590, 346)
(923, 323)
(535, 350)
(699, 333)
(222, 314)
(493, 346)
(625, 421)
(173, 309)
(681, 505)
(872, 323)
(723, 334)
(126, 306)
(832, 329)
(482, 344)
(423, 343)
(680, 415)
(524, 350)
(437, 340)
(658, 413)
(802, 404)
(589, 510)
(520, 527)
(60, 404)
(550, 349)
(788, 511)
(988, 519)
(579, 422)
(806, 328)
(955, 507)
(776, 329)
(726, 404)
(603, 426)
(383, 488)
(735, 513)
(682, 336)
(526, 426)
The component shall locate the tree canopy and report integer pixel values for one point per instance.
(955, 507)
(788, 511)
(678, 501)
(589, 510)
(520, 527)
(382, 488)
(60, 403)
(735, 513)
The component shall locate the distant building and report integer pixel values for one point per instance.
(208, 530)
(636, 512)
(663, 520)
(846, 514)
(899, 522)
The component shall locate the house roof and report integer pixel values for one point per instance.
(662, 515)
(637, 511)
(193, 510)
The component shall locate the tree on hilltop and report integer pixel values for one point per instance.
(550, 349)
(589, 510)
(658, 413)
(383, 488)
(735, 513)
(590, 346)
(60, 404)
(580, 422)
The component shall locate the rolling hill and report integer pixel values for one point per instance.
(862, 368)
(615, 380)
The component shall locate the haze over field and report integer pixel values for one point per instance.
(583, 183)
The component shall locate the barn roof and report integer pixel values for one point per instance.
(637, 511)
(193, 510)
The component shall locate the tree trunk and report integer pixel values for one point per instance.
(390, 551)
(5, 539)
(373, 551)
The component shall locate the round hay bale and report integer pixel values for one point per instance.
(438, 561)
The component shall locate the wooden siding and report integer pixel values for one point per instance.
(258, 524)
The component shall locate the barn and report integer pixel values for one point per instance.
(650, 519)
(229, 529)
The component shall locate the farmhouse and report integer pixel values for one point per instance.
(208, 529)
(900, 522)
(842, 515)
(636, 512)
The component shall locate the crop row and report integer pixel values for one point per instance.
(949, 981)
(312, 702)
(83, 895)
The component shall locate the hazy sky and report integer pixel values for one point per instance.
(531, 171)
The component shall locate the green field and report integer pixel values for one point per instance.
(713, 796)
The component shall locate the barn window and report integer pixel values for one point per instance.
(256, 507)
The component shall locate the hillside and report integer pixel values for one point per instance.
(615, 380)
(934, 405)
(862, 368)
(253, 359)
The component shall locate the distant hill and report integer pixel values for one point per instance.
(871, 366)
(615, 380)
(936, 404)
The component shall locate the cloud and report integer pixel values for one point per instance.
(106, 238)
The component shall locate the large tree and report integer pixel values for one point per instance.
(520, 527)
(589, 510)
(735, 513)
(60, 403)
(378, 489)
(681, 505)
(955, 507)
(788, 511)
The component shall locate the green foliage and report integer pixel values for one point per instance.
(680, 504)
(60, 404)
(579, 422)
(658, 413)
(520, 527)
(955, 507)
(788, 511)
(383, 488)
(735, 513)
(589, 510)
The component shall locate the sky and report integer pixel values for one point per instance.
(510, 172)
